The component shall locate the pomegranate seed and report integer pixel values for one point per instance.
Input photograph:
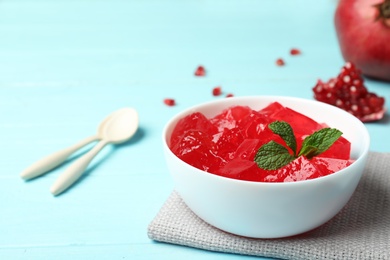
(217, 91)
(280, 62)
(229, 95)
(347, 78)
(169, 102)
(358, 83)
(347, 91)
(295, 51)
(339, 103)
(348, 65)
(200, 71)
(366, 110)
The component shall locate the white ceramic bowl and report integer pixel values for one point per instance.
(270, 210)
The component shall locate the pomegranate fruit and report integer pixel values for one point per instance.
(363, 31)
(347, 91)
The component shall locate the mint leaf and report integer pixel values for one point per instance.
(319, 142)
(285, 131)
(272, 156)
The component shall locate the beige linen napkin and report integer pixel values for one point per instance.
(360, 231)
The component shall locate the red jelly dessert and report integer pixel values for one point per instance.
(228, 144)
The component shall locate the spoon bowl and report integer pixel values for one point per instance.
(121, 128)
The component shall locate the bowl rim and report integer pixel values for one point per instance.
(362, 156)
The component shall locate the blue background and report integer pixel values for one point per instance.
(65, 65)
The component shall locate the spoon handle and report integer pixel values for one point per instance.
(51, 161)
(73, 173)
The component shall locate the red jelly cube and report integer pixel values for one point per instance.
(192, 122)
(341, 149)
(300, 123)
(247, 149)
(330, 165)
(228, 142)
(239, 112)
(229, 117)
(271, 108)
(253, 124)
(198, 150)
(241, 169)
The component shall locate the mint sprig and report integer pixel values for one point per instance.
(272, 155)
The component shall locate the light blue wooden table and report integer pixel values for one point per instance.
(65, 65)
